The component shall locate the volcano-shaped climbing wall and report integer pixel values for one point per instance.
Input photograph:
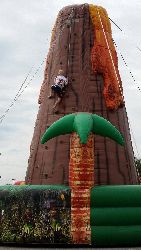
(71, 47)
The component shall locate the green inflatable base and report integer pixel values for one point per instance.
(41, 214)
(116, 215)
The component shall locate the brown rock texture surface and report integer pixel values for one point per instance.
(70, 50)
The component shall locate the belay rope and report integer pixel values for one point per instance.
(110, 53)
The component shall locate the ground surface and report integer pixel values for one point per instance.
(62, 248)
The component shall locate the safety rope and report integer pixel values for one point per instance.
(132, 134)
(15, 98)
(115, 24)
(110, 54)
(23, 84)
(68, 22)
(127, 66)
(118, 79)
(137, 47)
(22, 87)
(70, 29)
(20, 91)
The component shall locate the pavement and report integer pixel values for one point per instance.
(63, 248)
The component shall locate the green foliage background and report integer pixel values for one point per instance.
(34, 215)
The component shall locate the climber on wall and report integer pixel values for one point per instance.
(59, 87)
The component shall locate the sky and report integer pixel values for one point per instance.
(25, 31)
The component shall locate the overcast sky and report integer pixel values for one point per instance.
(25, 30)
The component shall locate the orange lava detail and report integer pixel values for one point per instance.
(104, 58)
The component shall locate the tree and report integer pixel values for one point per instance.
(82, 127)
(138, 165)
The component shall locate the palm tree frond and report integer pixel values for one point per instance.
(83, 124)
(63, 126)
(103, 127)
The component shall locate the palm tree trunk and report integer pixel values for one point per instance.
(81, 179)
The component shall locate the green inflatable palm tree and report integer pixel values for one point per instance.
(82, 127)
(83, 124)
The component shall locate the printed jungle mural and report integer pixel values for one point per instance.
(37, 214)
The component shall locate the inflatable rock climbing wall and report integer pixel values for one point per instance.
(82, 46)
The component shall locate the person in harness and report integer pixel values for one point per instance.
(59, 87)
